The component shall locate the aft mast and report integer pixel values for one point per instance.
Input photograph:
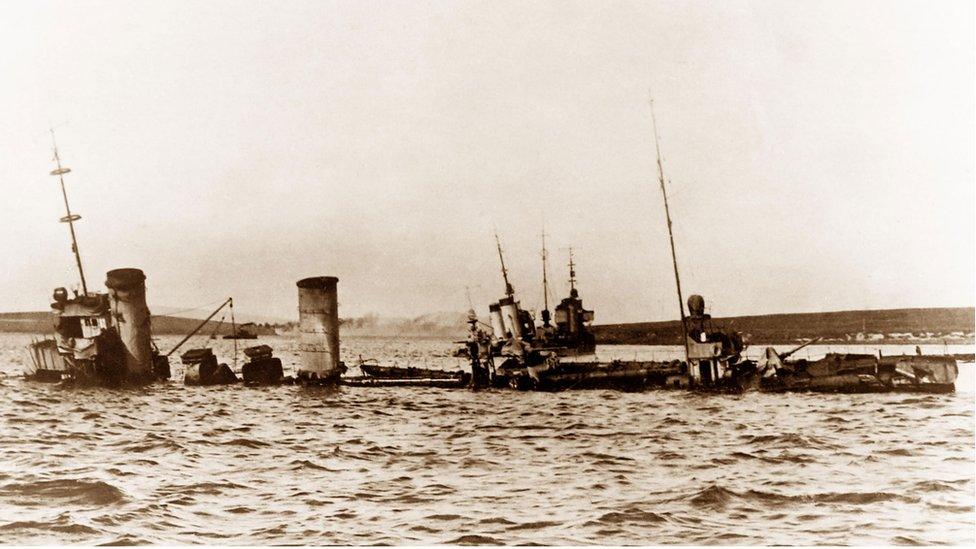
(69, 218)
(667, 215)
(545, 283)
(572, 274)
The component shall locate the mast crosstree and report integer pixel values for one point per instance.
(69, 217)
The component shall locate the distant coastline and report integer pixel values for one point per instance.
(953, 325)
(42, 322)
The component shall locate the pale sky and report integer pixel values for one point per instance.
(821, 154)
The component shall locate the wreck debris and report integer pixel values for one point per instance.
(202, 369)
(262, 368)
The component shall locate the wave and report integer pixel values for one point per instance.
(444, 517)
(789, 440)
(201, 488)
(65, 491)
(472, 539)
(300, 464)
(29, 525)
(715, 496)
(124, 541)
(632, 514)
(246, 442)
(536, 525)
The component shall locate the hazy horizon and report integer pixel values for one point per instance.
(821, 155)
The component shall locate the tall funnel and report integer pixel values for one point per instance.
(318, 318)
(127, 295)
(509, 310)
(497, 324)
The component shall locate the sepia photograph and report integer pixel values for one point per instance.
(491, 273)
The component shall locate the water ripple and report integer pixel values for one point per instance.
(289, 465)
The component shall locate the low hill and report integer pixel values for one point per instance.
(888, 325)
(42, 322)
(954, 324)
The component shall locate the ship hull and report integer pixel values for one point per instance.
(103, 365)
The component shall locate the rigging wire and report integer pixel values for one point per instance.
(213, 335)
(207, 305)
(233, 327)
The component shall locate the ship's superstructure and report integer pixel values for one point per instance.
(102, 338)
(514, 330)
(571, 334)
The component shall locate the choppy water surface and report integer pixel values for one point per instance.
(175, 464)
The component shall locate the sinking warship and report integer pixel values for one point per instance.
(518, 356)
(564, 334)
(570, 335)
(714, 361)
(101, 338)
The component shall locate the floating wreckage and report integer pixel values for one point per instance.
(200, 364)
(201, 368)
(262, 368)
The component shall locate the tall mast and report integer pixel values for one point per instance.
(509, 291)
(572, 273)
(545, 282)
(69, 218)
(667, 215)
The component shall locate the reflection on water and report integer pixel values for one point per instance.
(174, 464)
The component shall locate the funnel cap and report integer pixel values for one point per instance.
(318, 282)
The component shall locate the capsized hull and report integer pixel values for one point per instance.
(442, 382)
(407, 372)
(848, 373)
(102, 363)
(862, 383)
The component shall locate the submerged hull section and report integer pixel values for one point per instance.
(853, 384)
(103, 362)
(546, 373)
(407, 372)
(406, 376)
(438, 382)
(846, 373)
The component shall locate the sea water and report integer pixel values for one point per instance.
(273, 465)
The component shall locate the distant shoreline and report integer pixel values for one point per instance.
(951, 325)
(931, 326)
